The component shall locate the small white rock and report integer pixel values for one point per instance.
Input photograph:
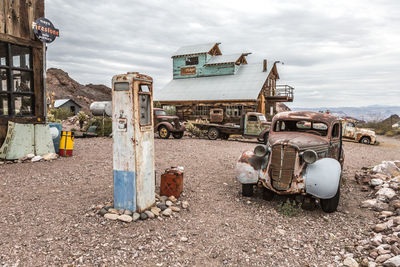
(350, 262)
(184, 239)
(375, 182)
(185, 204)
(36, 158)
(167, 212)
(125, 218)
(111, 216)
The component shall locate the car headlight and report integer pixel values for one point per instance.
(310, 156)
(261, 150)
(173, 123)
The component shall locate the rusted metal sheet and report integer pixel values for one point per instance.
(133, 147)
(216, 115)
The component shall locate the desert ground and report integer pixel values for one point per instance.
(46, 212)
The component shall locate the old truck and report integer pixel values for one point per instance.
(252, 125)
(166, 125)
(303, 157)
(359, 135)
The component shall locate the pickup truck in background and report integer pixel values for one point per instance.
(252, 125)
(355, 134)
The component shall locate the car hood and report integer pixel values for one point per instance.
(366, 131)
(167, 117)
(301, 140)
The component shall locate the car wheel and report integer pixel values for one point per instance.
(268, 194)
(213, 133)
(177, 135)
(163, 132)
(331, 204)
(263, 140)
(247, 190)
(365, 140)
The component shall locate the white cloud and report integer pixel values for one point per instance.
(341, 53)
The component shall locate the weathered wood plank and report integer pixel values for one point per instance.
(30, 6)
(25, 24)
(12, 18)
(38, 81)
(3, 17)
(16, 40)
(38, 9)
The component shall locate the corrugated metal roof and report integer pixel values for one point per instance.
(246, 84)
(194, 49)
(224, 59)
(60, 102)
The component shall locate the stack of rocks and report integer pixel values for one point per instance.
(164, 207)
(383, 247)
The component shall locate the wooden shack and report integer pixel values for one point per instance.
(204, 79)
(22, 93)
(21, 64)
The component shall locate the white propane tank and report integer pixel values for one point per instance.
(99, 107)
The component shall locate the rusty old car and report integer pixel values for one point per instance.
(166, 125)
(359, 135)
(303, 157)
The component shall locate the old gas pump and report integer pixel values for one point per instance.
(133, 146)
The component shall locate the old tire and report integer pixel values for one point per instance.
(268, 194)
(213, 133)
(163, 132)
(365, 140)
(330, 205)
(177, 135)
(247, 190)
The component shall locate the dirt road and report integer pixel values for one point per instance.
(44, 212)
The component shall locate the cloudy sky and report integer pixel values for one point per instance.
(345, 53)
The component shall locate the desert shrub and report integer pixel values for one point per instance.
(290, 208)
(82, 117)
(392, 133)
(195, 130)
(98, 121)
(61, 113)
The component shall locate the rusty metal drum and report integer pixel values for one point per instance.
(172, 182)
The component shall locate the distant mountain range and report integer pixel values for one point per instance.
(367, 113)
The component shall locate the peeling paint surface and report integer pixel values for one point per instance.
(133, 146)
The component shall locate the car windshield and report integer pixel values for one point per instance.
(262, 118)
(161, 113)
(317, 128)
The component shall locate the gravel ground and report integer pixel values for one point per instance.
(45, 212)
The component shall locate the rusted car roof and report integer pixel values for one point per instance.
(306, 115)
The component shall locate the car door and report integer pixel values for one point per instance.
(335, 142)
(252, 125)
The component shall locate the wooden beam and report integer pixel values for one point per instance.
(20, 41)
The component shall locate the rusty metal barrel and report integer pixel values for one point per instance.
(172, 182)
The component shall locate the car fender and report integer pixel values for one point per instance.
(322, 178)
(261, 135)
(247, 168)
(166, 124)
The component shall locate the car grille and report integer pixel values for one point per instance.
(283, 158)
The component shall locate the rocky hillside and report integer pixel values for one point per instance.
(63, 86)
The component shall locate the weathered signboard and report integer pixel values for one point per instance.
(188, 71)
(45, 30)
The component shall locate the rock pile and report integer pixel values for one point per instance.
(384, 245)
(164, 207)
(33, 158)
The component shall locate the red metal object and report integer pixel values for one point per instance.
(171, 182)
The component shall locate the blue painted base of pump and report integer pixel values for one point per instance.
(125, 190)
